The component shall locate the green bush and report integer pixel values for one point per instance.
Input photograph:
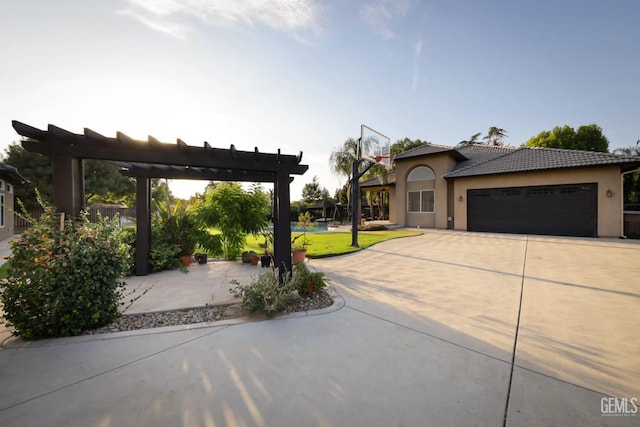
(307, 282)
(265, 293)
(64, 277)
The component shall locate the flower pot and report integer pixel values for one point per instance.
(201, 258)
(265, 260)
(254, 260)
(247, 255)
(298, 255)
(186, 260)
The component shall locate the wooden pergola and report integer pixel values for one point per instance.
(149, 159)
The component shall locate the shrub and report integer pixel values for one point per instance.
(305, 281)
(265, 293)
(64, 276)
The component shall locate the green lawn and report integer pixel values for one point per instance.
(328, 244)
(3, 270)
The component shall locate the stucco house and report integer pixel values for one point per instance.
(9, 176)
(507, 189)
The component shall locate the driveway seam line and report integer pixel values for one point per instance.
(99, 374)
(515, 338)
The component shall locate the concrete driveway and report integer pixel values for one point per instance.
(424, 335)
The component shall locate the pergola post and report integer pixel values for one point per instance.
(68, 184)
(143, 226)
(282, 224)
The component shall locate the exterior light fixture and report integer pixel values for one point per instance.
(460, 198)
(609, 193)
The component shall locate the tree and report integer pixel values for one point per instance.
(494, 136)
(473, 139)
(342, 158)
(405, 144)
(103, 182)
(341, 161)
(37, 168)
(587, 138)
(631, 183)
(311, 192)
(235, 212)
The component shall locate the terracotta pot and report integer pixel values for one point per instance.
(254, 260)
(186, 260)
(298, 256)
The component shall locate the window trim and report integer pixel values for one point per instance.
(420, 192)
(409, 179)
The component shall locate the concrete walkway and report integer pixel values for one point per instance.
(423, 335)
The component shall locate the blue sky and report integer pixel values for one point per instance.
(303, 75)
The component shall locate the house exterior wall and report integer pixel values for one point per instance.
(440, 164)
(610, 213)
(6, 189)
(393, 212)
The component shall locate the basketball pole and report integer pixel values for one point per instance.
(356, 174)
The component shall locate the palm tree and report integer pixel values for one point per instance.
(341, 161)
(473, 139)
(495, 136)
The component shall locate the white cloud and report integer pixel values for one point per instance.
(381, 14)
(289, 16)
(417, 51)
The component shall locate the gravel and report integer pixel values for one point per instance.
(132, 322)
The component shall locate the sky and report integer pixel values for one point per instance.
(303, 75)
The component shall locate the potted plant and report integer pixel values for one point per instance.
(247, 256)
(181, 227)
(299, 249)
(307, 282)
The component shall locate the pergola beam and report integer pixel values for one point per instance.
(56, 141)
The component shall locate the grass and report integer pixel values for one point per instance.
(3, 270)
(322, 245)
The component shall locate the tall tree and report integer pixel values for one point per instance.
(341, 161)
(587, 137)
(405, 144)
(37, 168)
(631, 182)
(342, 158)
(495, 136)
(312, 192)
(235, 212)
(103, 182)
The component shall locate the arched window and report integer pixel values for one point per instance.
(421, 173)
(421, 200)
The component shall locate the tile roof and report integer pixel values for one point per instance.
(12, 173)
(477, 153)
(526, 159)
(426, 149)
(390, 179)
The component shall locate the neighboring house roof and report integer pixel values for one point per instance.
(388, 179)
(528, 159)
(12, 173)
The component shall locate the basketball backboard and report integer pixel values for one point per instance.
(374, 147)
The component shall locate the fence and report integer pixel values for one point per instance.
(127, 216)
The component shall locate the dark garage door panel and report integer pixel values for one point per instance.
(561, 210)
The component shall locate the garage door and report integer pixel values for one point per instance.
(561, 210)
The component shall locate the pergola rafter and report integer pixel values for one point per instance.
(152, 158)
